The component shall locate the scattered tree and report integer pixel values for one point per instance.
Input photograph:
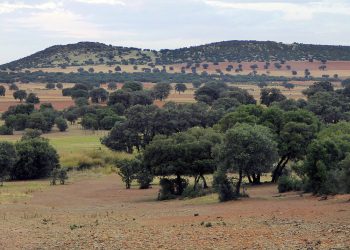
(2, 90)
(32, 98)
(20, 94)
(161, 91)
(180, 87)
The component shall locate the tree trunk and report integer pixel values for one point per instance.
(179, 185)
(279, 168)
(239, 182)
(276, 170)
(256, 179)
(205, 185)
(249, 177)
(196, 179)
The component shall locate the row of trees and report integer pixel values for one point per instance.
(98, 78)
(131, 93)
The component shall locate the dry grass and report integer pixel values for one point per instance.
(342, 68)
(53, 96)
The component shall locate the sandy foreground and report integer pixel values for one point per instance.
(100, 214)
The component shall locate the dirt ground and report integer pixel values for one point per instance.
(98, 213)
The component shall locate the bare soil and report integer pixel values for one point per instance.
(99, 213)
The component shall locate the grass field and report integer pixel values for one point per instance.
(74, 145)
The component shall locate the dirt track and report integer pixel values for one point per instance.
(101, 214)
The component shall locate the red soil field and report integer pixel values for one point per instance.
(100, 213)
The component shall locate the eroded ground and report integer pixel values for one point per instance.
(98, 213)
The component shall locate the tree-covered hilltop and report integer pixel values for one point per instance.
(82, 53)
(91, 53)
(254, 51)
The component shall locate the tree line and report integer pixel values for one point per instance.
(237, 136)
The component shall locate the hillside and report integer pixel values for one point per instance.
(90, 53)
(80, 54)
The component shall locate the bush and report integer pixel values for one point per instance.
(38, 120)
(50, 85)
(190, 192)
(36, 159)
(31, 134)
(128, 170)
(287, 183)
(223, 186)
(59, 85)
(144, 178)
(59, 174)
(84, 165)
(61, 124)
(5, 130)
(18, 121)
(8, 158)
(167, 189)
(81, 101)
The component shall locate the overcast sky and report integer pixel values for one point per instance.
(32, 25)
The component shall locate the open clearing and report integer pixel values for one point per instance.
(98, 213)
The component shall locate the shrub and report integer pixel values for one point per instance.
(84, 165)
(167, 189)
(50, 85)
(144, 178)
(81, 101)
(288, 183)
(127, 170)
(36, 159)
(58, 174)
(61, 124)
(190, 192)
(18, 121)
(39, 120)
(8, 158)
(63, 176)
(208, 224)
(31, 134)
(59, 85)
(5, 130)
(223, 186)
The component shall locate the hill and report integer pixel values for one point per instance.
(91, 53)
(82, 54)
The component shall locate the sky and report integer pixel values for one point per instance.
(29, 26)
